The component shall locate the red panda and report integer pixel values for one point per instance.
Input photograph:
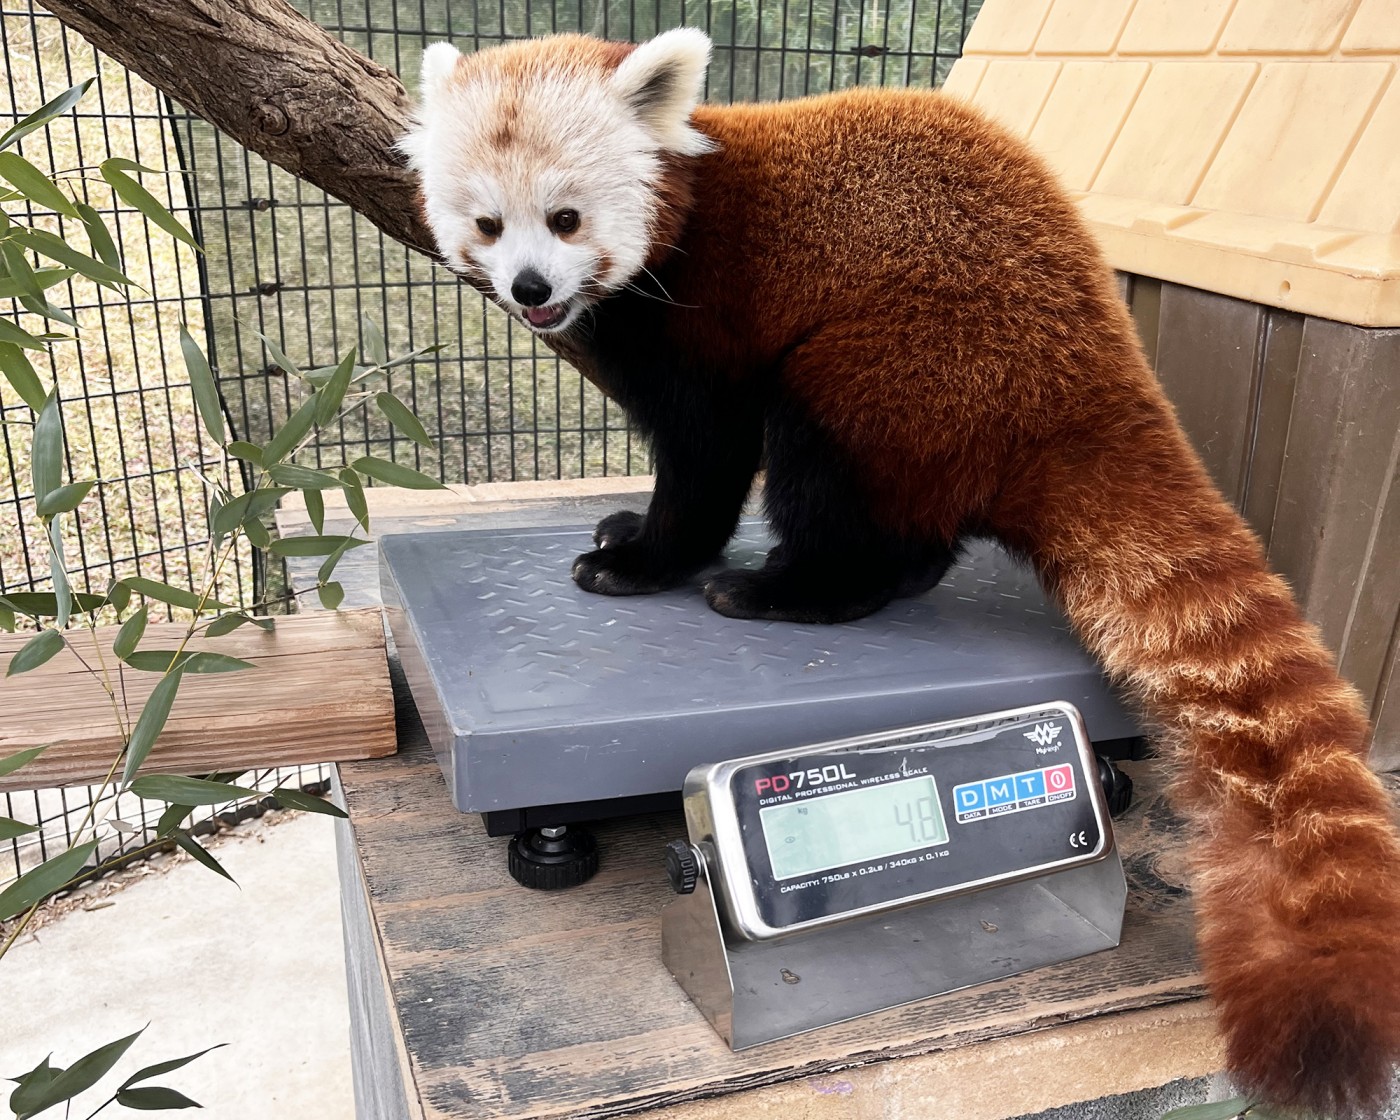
(889, 301)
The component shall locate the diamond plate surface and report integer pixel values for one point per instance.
(535, 693)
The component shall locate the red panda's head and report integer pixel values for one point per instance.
(543, 163)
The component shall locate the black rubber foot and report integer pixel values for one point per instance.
(551, 863)
(1117, 787)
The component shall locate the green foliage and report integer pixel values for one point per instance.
(33, 261)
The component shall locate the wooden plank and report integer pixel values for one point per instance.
(1208, 347)
(1145, 303)
(320, 692)
(1333, 537)
(1278, 374)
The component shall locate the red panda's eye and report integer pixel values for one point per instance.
(489, 226)
(564, 221)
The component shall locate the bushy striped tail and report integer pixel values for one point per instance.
(1297, 858)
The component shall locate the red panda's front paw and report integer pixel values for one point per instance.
(619, 528)
(625, 569)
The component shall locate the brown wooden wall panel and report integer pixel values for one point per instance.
(1336, 476)
(1208, 356)
(1278, 374)
(1298, 421)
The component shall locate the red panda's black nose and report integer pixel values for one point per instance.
(530, 289)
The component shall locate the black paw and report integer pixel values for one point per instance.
(625, 569)
(619, 528)
(777, 596)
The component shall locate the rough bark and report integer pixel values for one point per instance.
(279, 85)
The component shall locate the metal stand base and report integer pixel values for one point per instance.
(760, 991)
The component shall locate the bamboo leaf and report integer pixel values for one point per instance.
(87, 1071)
(180, 790)
(10, 828)
(19, 372)
(150, 1098)
(203, 386)
(303, 478)
(403, 419)
(156, 660)
(150, 723)
(414, 355)
(206, 661)
(118, 595)
(129, 636)
(17, 336)
(226, 624)
(135, 195)
(65, 499)
(58, 573)
(306, 802)
(43, 278)
(240, 449)
(331, 595)
(100, 237)
(355, 497)
(30, 1086)
(202, 855)
(43, 604)
(254, 503)
(42, 881)
(382, 470)
(315, 509)
(10, 763)
(7, 619)
(279, 358)
(175, 596)
(34, 184)
(37, 305)
(333, 392)
(314, 546)
(290, 434)
(257, 533)
(47, 112)
(56, 249)
(159, 1068)
(39, 649)
(374, 349)
(170, 820)
(47, 452)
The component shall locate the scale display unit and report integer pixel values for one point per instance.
(549, 707)
(845, 878)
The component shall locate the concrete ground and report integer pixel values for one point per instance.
(259, 966)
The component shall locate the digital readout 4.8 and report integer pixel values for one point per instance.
(853, 826)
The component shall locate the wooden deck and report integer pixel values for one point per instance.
(475, 998)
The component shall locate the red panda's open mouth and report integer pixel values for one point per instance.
(543, 318)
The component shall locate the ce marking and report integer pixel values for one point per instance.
(1079, 839)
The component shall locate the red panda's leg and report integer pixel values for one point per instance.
(706, 456)
(833, 563)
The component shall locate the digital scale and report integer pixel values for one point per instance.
(854, 876)
(915, 851)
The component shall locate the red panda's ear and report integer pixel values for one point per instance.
(439, 61)
(662, 81)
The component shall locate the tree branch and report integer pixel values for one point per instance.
(279, 85)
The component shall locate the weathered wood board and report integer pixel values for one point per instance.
(320, 692)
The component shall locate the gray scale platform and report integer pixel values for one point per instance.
(534, 692)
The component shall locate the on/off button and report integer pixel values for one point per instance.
(1059, 783)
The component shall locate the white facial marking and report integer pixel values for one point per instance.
(505, 138)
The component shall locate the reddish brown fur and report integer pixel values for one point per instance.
(932, 297)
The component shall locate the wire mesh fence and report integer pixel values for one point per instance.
(287, 261)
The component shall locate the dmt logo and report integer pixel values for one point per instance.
(1044, 734)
